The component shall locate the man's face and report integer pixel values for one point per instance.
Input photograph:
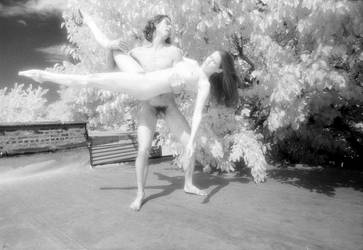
(164, 28)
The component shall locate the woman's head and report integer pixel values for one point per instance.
(160, 24)
(219, 66)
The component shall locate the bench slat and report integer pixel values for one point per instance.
(119, 158)
(105, 154)
(106, 147)
(116, 148)
(110, 147)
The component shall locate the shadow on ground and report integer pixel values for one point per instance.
(204, 181)
(320, 180)
(315, 179)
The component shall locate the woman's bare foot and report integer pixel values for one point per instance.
(191, 189)
(34, 74)
(136, 204)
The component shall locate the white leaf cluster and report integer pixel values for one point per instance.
(20, 104)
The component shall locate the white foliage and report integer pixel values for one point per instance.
(20, 104)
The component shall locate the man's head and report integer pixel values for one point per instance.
(159, 25)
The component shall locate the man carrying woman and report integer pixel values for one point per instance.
(157, 54)
(163, 69)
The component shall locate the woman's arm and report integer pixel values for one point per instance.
(202, 96)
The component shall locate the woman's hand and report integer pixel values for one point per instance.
(34, 74)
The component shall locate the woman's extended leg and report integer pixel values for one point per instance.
(181, 129)
(142, 86)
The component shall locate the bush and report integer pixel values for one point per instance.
(305, 82)
(20, 104)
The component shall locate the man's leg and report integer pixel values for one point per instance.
(145, 133)
(181, 129)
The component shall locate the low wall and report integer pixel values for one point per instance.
(18, 138)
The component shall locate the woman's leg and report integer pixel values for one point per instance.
(145, 133)
(142, 86)
(126, 63)
(181, 129)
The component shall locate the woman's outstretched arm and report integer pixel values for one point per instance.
(202, 96)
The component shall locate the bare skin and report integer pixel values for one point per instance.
(159, 55)
(155, 56)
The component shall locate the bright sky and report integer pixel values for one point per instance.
(30, 37)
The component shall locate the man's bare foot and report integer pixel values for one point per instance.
(191, 189)
(137, 203)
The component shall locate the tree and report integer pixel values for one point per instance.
(302, 60)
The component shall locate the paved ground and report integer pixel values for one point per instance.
(55, 201)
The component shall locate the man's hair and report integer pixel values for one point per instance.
(150, 27)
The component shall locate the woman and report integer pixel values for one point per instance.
(216, 75)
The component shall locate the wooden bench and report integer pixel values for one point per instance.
(108, 147)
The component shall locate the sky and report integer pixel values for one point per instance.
(30, 37)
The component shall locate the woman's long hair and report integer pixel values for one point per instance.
(150, 27)
(224, 85)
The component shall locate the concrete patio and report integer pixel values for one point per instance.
(56, 201)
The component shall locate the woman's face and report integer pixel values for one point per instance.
(212, 63)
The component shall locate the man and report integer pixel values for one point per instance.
(158, 54)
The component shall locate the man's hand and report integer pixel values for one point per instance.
(119, 45)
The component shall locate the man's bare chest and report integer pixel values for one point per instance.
(155, 60)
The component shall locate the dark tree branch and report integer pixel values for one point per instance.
(238, 43)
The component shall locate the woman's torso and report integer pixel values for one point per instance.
(151, 60)
(185, 76)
